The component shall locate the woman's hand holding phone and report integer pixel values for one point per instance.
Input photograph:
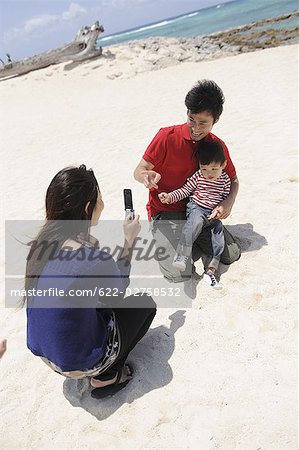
(131, 228)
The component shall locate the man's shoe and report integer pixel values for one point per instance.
(179, 262)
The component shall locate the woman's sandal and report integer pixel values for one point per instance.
(112, 389)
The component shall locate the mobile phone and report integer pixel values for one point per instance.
(128, 200)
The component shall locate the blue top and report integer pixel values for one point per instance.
(71, 329)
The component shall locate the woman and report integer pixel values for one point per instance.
(79, 336)
(3, 345)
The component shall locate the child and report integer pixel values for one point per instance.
(206, 188)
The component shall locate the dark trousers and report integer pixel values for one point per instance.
(133, 321)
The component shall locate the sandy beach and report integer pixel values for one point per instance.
(221, 375)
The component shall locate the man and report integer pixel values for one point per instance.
(166, 164)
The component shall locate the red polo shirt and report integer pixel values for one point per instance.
(172, 152)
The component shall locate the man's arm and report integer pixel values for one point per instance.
(145, 175)
(223, 210)
(234, 188)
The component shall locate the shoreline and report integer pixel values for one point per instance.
(157, 53)
(276, 18)
(127, 59)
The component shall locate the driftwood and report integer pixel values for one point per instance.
(83, 47)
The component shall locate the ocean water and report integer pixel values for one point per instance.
(209, 20)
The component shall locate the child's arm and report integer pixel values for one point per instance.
(182, 192)
(226, 188)
(164, 198)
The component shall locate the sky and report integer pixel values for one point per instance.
(28, 27)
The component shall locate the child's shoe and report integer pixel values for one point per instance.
(179, 262)
(210, 278)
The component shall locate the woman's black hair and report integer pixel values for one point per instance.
(206, 95)
(66, 198)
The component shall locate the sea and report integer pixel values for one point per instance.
(205, 21)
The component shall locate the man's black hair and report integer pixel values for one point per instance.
(210, 152)
(206, 95)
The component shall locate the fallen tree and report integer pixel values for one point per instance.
(83, 47)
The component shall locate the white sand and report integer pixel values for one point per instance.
(225, 377)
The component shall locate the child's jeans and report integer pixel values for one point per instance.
(197, 219)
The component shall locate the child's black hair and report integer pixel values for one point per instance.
(210, 152)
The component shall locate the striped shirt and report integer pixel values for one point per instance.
(204, 192)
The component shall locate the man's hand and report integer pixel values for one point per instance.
(151, 178)
(145, 174)
(222, 211)
(164, 197)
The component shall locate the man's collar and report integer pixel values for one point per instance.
(185, 132)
